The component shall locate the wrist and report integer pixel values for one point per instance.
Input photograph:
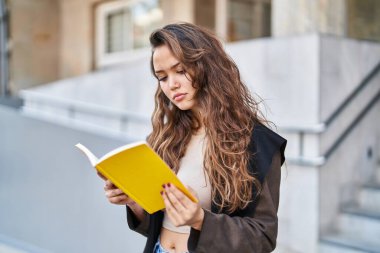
(199, 222)
(131, 205)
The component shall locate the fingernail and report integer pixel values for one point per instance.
(163, 186)
(169, 185)
(161, 192)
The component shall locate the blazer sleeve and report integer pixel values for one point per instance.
(255, 232)
(141, 227)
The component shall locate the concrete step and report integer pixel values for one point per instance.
(359, 223)
(369, 196)
(342, 243)
(377, 174)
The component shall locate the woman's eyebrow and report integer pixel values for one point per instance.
(172, 67)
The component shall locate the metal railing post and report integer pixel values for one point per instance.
(301, 143)
(4, 68)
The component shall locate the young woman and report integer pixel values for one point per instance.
(208, 129)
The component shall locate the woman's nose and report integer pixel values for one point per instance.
(173, 83)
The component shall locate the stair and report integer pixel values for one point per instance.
(369, 196)
(377, 174)
(341, 243)
(358, 225)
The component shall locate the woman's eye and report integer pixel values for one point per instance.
(161, 79)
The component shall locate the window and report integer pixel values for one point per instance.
(247, 19)
(205, 13)
(117, 31)
(363, 19)
(123, 27)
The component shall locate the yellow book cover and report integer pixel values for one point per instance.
(139, 172)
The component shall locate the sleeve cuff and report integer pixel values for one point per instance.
(136, 225)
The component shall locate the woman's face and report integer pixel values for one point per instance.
(174, 80)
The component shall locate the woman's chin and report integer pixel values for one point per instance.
(184, 107)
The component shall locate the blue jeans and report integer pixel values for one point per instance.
(159, 249)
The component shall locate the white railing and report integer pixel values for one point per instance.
(321, 128)
(111, 121)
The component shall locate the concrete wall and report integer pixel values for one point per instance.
(344, 64)
(346, 18)
(50, 195)
(290, 17)
(128, 88)
(299, 210)
(279, 70)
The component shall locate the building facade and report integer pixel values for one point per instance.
(58, 39)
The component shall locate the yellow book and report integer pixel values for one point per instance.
(139, 172)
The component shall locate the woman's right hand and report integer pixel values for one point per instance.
(116, 196)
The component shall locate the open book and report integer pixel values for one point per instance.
(139, 172)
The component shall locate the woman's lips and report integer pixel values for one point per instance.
(179, 97)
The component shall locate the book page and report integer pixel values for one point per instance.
(122, 148)
(93, 159)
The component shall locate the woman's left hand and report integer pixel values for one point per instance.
(180, 209)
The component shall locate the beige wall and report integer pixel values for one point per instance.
(77, 26)
(34, 31)
(77, 43)
(55, 39)
(178, 10)
(51, 40)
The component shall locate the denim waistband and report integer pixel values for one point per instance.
(159, 249)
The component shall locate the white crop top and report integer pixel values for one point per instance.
(191, 173)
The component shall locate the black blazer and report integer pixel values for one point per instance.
(253, 229)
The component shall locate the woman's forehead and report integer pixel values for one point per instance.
(163, 58)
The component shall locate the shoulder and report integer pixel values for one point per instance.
(264, 144)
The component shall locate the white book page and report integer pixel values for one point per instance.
(119, 149)
(93, 159)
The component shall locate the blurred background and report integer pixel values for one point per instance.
(78, 71)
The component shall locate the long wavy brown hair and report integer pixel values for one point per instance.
(229, 114)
